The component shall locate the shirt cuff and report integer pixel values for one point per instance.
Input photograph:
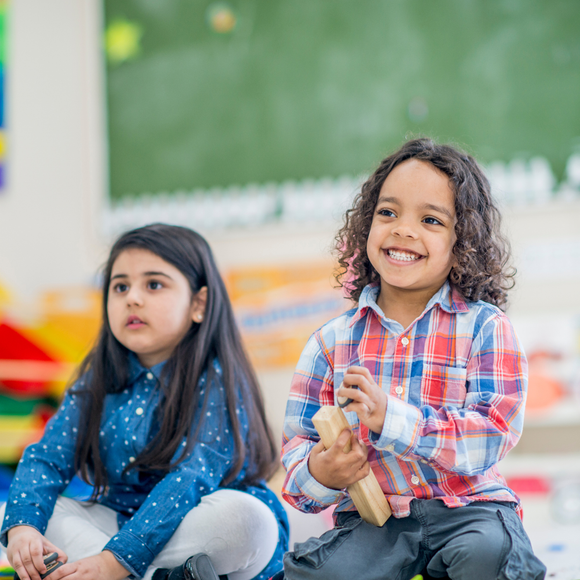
(400, 429)
(130, 552)
(313, 488)
(14, 519)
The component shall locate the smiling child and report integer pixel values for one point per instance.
(440, 384)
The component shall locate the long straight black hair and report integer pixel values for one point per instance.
(105, 370)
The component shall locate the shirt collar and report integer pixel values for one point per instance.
(447, 297)
(136, 369)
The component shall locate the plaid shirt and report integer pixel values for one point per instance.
(455, 381)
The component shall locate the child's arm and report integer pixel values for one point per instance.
(470, 435)
(316, 477)
(43, 472)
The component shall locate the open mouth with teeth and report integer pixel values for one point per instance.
(134, 322)
(403, 255)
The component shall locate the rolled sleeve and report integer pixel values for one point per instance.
(468, 439)
(313, 489)
(400, 429)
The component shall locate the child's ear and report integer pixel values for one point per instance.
(198, 305)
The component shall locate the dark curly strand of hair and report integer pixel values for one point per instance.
(482, 252)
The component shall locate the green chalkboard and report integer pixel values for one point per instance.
(312, 88)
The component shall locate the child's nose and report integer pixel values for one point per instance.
(134, 296)
(405, 229)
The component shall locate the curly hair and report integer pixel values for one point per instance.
(482, 253)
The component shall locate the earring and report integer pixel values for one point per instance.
(199, 317)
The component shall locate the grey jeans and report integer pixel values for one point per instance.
(481, 541)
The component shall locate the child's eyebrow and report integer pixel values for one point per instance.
(144, 274)
(157, 274)
(439, 209)
(384, 199)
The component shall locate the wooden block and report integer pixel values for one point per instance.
(366, 494)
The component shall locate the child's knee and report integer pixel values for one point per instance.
(475, 555)
(339, 554)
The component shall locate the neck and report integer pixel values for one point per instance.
(404, 306)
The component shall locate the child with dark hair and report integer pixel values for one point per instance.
(166, 421)
(436, 378)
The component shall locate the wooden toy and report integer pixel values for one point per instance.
(366, 494)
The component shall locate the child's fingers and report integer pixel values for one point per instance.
(37, 556)
(341, 441)
(361, 381)
(359, 446)
(19, 568)
(349, 392)
(353, 399)
(358, 452)
(49, 547)
(64, 571)
(361, 371)
(318, 448)
(24, 566)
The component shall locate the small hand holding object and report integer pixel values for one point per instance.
(336, 469)
(32, 556)
(103, 565)
(51, 563)
(364, 396)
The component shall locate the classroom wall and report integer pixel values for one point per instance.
(52, 232)
(56, 143)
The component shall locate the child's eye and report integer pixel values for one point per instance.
(120, 288)
(154, 285)
(432, 221)
(386, 212)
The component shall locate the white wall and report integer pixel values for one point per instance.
(48, 215)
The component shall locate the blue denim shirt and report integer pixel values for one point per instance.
(149, 507)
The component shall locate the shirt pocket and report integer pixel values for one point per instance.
(443, 386)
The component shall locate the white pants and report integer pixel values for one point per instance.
(236, 530)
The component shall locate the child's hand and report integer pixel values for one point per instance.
(26, 551)
(100, 567)
(368, 401)
(336, 469)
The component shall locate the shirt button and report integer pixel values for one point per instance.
(150, 376)
(131, 459)
(404, 341)
(139, 411)
(390, 447)
(399, 390)
(415, 480)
